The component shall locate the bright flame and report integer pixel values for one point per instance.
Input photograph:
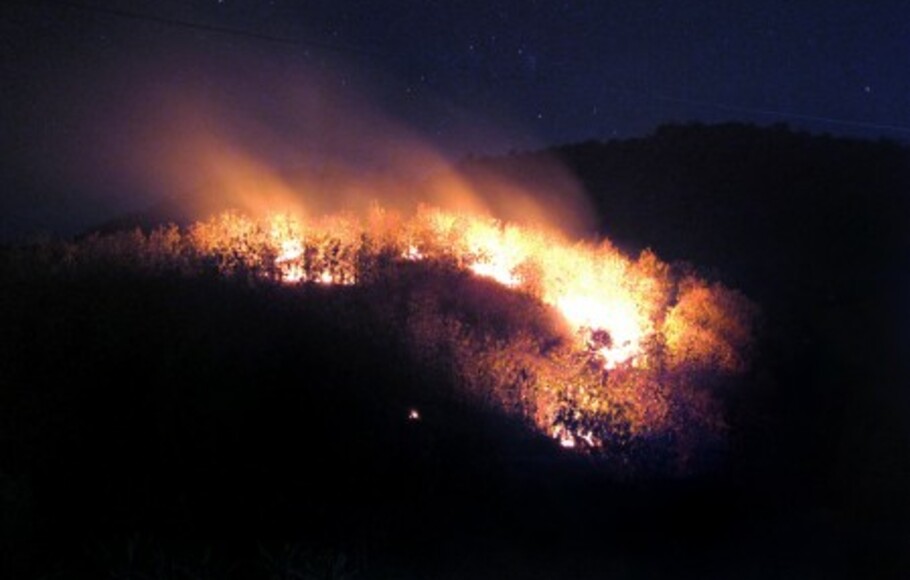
(412, 253)
(593, 288)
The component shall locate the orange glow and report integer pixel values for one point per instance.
(632, 334)
(610, 346)
(594, 288)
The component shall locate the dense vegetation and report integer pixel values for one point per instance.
(165, 425)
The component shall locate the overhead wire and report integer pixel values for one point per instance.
(347, 49)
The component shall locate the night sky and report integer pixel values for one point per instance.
(80, 79)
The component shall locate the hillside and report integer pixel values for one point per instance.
(813, 228)
(165, 425)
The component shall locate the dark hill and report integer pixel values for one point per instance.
(170, 427)
(814, 228)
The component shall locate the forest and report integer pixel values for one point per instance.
(168, 411)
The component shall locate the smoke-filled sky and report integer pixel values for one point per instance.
(106, 105)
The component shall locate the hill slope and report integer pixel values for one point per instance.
(148, 418)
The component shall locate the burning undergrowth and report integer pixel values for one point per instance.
(595, 349)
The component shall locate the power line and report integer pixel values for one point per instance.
(186, 24)
(784, 114)
(343, 49)
(644, 94)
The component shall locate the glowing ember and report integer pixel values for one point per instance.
(412, 253)
(293, 273)
(571, 440)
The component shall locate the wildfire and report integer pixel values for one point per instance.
(611, 347)
(635, 334)
(593, 289)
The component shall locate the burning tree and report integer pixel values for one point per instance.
(592, 347)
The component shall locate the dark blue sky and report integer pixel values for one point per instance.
(541, 72)
(574, 70)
